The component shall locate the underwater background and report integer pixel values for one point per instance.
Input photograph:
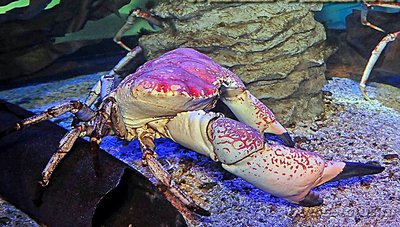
(302, 60)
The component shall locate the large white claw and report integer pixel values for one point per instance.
(285, 172)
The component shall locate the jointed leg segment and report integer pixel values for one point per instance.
(93, 124)
(374, 57)
(80, 110)
(381, 45)
(136, 13)
(65, 146)
(146, 141)
(364, 16)
(110, 81)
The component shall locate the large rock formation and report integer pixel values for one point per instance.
(276, 48)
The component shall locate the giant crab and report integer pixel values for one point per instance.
(171, 97)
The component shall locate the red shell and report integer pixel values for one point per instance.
(179, 71)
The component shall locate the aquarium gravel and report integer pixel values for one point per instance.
(351, 129)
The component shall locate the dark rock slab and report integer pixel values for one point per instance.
(28, 47)
(5, 2)
(75, 196)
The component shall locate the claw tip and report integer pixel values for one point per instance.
(200, 211)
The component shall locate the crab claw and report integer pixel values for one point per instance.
(285, 172)
(335, 171)
(279, 131)
(251, 111)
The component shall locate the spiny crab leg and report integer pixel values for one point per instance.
(372, 60)
(108, 82)
(136, 13)
(146, 141)
(64, 147)
(79, 109)
(95, 125)
(366, 6)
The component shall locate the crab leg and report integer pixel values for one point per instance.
(64, 147)
(80, 110)
(110, 81)
(136, 13)
(372, 60)
(366, 6)
(250, 110)
(364, 14)
(282, 171)
(128, 25)
(146, 141)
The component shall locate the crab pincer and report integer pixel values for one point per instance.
(285, 172)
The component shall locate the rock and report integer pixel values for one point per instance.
(28, 46)
(390, 156)
(121, 196)
(276, 48)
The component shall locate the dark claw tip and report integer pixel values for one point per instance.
(287, 139)
(355, 169)
(200, 211)
(311, 200)
(284, 138)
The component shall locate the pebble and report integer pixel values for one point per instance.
(390, 156)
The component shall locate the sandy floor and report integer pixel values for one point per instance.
(351, 130)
